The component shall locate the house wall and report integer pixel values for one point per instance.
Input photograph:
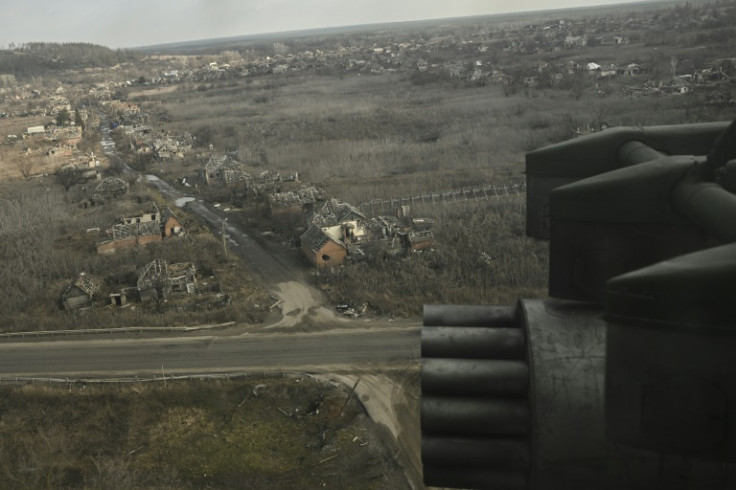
(359, 232)
(143, 218)
(172, 227)
(146, 239)
(286, 211)
(112, 246)
(416, 246)
(336, 232)
(335, 253)
(74, 302)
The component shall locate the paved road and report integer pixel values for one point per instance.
(269, 269)
(298, 300)
(265, 265)
(308, 352)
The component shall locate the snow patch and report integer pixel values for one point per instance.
(182, 201)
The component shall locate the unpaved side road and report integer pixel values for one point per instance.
(392, 399)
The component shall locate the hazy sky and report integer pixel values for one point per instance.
(131, 23)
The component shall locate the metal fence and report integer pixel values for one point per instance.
(436, 198)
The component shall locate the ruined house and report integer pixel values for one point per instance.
(227, 171)
(158, 279)
(267, 182)
(415, 233)
(166, 147)
(70, 136)
(340, 220)
(294, 203)
(81, 292)
(109, 188)
(416, 240)
(402, 232)
(382, 227)
(332, 226)
(139, 228)
(321, 249)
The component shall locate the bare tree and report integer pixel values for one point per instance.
(68, 177)
(24, 164)
(600, 113)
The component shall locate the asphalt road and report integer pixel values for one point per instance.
(251, 352)
(354, 346)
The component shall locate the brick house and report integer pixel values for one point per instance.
(321, 249)
(170, 224)
(331, 227)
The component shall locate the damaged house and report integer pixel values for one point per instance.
(402, 232)
(332, 227)
(166, 148)
(267, 182)
(340, 220)
(109, 188)
(147, 225)
(294, 203)
(227, 171)
(139, 228)
(415, 233)
(81, 292)
(158, 280)
(322, 249)
(170, 224)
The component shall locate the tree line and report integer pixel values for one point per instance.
(37, 59)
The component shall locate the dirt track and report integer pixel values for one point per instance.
(392, 400)
(300, 305)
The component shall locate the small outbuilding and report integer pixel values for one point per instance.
(81, 292)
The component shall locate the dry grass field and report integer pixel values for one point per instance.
(256, 432)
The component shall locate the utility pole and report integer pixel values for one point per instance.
(224, 240)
